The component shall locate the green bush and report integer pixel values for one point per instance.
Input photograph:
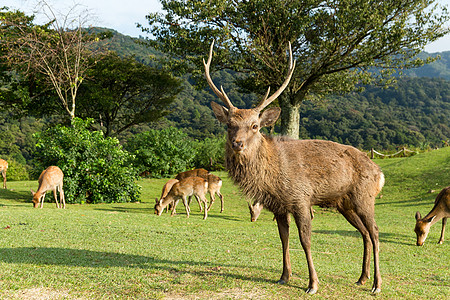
(16, 170)
(211, 154)
(96, 169)
(162, 153)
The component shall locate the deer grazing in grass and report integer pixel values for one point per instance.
(182, 190)
(441, 210)
(214, 185)
(166, 188)
(51, 179)
(288, 176)
(3, 168)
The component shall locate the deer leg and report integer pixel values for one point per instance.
(42, 200)
(55, 195)
(4, 178)
(205, 203)
(221, 200)
(175, 202)
(213, 198)
(198, 201)
(186, 205)
(441, 239)
(283, 230)
(372, 228)
(356, 222)
(62, 197)
(303, 221)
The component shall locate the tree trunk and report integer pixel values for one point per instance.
(290, 117)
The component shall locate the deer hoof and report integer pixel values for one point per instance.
(311, 291)
(376, 290)
(281, 281)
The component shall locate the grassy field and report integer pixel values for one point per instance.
(124, 251)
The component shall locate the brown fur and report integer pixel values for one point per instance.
(3, 169)
(214, 185)
(181, 190)
(288, 176)
(192, 173)
(441, 210)
(51, 179)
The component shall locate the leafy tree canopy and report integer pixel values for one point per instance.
(336, 43)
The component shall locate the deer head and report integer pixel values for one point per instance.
(244, 124)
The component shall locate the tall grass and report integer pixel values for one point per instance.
(124, 251)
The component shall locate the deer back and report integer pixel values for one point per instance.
(191, 173)
(49, 179)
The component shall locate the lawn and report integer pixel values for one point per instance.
(124, 251)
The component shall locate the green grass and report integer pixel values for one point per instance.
(124, 251)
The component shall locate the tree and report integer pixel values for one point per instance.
(58, 49)
(96, 169)
(338, 44)
(121, 92)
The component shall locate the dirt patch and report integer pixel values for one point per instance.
(235, 293)
(38, 294)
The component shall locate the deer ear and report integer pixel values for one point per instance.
(431, 219)
(269, 116)
(418, 216)
(220, 111)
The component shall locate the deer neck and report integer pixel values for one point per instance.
(259, 165)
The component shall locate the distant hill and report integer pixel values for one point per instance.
(439, 68)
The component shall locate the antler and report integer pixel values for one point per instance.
(221, 94)
(266, 101)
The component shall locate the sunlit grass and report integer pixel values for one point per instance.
(117, 251)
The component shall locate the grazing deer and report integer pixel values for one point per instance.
(50, 179)
(192, 173)
(441, 210)
(214, 185)
(166, 188)
(289, 176)
(181, 190)
(3, 168)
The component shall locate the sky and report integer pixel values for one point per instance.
(122, 15)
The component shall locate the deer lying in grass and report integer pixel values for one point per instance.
(51, 179)
(289, 176)
(441, 210)
(181, 190)
(3, 168)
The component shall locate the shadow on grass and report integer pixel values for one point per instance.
(94, 259)
(385, 237)
(10, 194)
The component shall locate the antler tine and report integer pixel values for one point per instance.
(266, 101)
(221, 94)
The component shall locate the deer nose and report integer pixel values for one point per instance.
(237, 145)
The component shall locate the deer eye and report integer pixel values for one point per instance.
(255, 127)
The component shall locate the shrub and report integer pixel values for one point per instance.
(211, 154)
(16, 170)
(162, 153)
(96, 169)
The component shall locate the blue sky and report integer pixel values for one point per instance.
(122, 15)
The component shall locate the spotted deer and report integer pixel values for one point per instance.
(3, 169)
(288, 176)
(182, 190)
(51, 179)
(441, 210)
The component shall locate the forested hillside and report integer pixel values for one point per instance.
(414, 113)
